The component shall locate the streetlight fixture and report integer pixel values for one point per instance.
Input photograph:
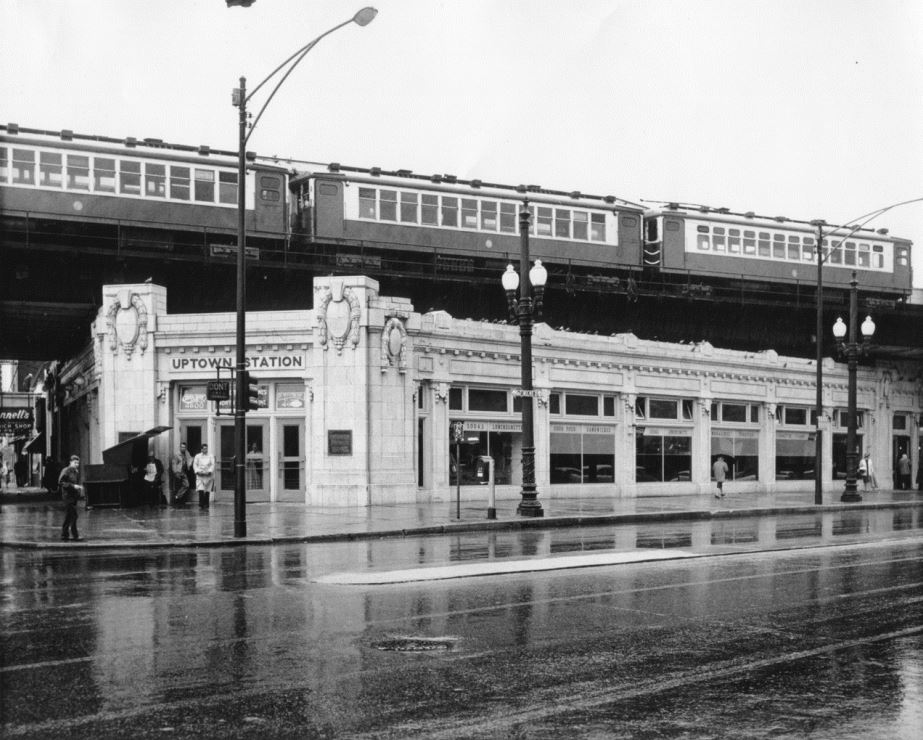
(852, 351)
(822, 256)
(240, 98)
(521, 310)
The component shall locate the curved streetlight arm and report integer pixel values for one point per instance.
(301, 53)
(863, 220)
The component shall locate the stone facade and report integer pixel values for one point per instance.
(361, 391)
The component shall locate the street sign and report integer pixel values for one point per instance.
(218, 390)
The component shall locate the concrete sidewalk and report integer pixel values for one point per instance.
(30, 520)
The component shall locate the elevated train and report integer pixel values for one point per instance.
(178, 200)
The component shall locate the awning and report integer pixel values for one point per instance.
(133, 450)
(35, 446)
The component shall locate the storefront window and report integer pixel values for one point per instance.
(582, 454)
(794, 456)
(290, 396)
(474, 445)
(740, 449)
(663, 456)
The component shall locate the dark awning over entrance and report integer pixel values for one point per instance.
(35, 446)
(131, 451)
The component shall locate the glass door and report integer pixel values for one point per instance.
(256, 478)
(291, 461)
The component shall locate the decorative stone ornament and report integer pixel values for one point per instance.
(338, 316)
(394, 345)
(126, 322)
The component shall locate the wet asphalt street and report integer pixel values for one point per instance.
(736, 637)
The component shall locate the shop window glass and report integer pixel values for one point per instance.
(733, 412)
(899, 422)
(455, 399)
(794, 456)
(179, 182)
(554, 403)
(740, 451)
(580, 405)
(796, 416)
(78, 172)
(469, 469)
(663, 458)
(608, 405)
(482, 399)
(661, 409)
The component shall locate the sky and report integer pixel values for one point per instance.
(800, 108)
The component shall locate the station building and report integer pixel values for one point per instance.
(359, 396)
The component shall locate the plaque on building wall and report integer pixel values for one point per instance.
(339, 442)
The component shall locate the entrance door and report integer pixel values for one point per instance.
(291, 461)
(193, 434)
(256, 478)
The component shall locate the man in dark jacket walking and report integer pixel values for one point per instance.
(70, 491)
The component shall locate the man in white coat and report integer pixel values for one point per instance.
(204, 467)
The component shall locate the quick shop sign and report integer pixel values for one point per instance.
(264, 361)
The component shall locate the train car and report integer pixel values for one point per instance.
(458, 224)
(154, 192)
(740, 248)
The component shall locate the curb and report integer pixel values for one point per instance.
(464, 527)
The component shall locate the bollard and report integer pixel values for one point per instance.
(491, 493)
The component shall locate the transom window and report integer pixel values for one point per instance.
(663, 408)
(735, 413)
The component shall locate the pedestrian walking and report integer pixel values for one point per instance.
(71, 492)
(903, 473)
(719, 471)
(153, 481)
(204, 467)
(180, 466)
(866, 472)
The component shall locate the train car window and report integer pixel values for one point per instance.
(718, 239)
(763, 244)
(778, 246)
(408, 207)
(703, 240)
(598, 227)
(78, 172)
(489, 215)
(543, 222)
(794, 247)
(878, 256)
(368, 207)
(671, 225)
(469, 213)
(864, 256)
(429, 210)
(129, 177)
(227, 188)
(103, 175)
(51, 169)
(508, 217)
(276, 183)
(23, 167)
(204, 186)
(155, 180)
(902, 256)
(749, 242)
(4, 164)
(581, 225)
(269, 195)
(849, 253)
(835, 256)
(325, 188)
(387, 205)
(562, 223)
(734, 240)
(179, 183)
(450, 211)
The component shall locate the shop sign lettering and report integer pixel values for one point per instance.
(254, 362)
(15, 421)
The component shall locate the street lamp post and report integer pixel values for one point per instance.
(240, 99)
(822, 256)
(852, 350)
(522, 311)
